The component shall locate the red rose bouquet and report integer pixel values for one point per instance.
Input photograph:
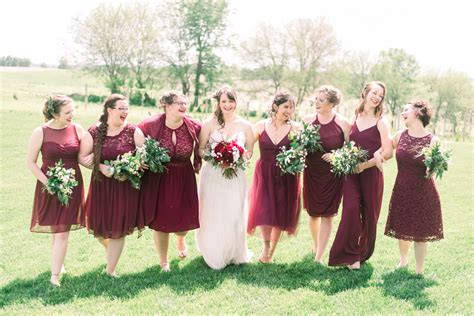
(227, 155)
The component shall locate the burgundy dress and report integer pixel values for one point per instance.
(49, 216)
(362, 200)
(273, 196)
(169, 201)
(112, 205)
(415, 209)
(322, 189)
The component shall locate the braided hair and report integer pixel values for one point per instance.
(108, 104)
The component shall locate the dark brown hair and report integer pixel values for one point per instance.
(280, 98)
(333, 95)
(53, 105)
(423, 111)
(227, 90)
(109, 103)
(363, 98)
(168, 97)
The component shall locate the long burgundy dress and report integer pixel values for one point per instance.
(273, 196)
(362, 200)
(169, 202)
(322, 189)
(112, 205)
(415, 208)
(49, 216)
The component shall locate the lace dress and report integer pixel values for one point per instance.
(112, 205)
(170, 200)
(49, 216)
(221, 238)
(415, 209)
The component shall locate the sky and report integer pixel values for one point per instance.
(437, 33)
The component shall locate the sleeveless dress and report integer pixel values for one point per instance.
(362, 200)
(170, 200)
(273, 197)
(415, 209)
(49, 216)
(322, 189)
(112, 205)
(221, 238)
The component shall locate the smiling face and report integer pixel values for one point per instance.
(118, 114)
(322, 104)
(65, 115)
(409, 115)
(375, 96)
(226, 104)
(284, 111)
(178, 108)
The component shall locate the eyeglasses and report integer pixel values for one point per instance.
(180, 103)
(122, 109)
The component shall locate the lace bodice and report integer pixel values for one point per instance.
(115, 145)
(183, 148)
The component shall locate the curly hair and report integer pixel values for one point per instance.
(169, 96)
(333, 95)
(53, 105)
(227, 90)
(424, 111)
(109, 103)
(363, 98)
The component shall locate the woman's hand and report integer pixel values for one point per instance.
(326, 157)
(106, 170)
(379, 160)
(360, 167)
(121, 178)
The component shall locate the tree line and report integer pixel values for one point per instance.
(140, 48)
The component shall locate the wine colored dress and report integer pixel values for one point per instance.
(362, 200)
(322, 189)
(415, 208)
(49, 216)
(169, 201)
(112, 205)
(273, 196)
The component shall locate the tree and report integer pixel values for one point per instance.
(102, 46)
(267, 54)
(63, 64)
(398, 70)
(311, 43)
(204, 26)
(10, 61)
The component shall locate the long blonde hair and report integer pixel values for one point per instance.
(363, 98)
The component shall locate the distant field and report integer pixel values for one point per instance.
(293, 285)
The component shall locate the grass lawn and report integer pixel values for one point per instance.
(293, 284)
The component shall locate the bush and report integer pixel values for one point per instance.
(264, 115)
(77, 97)
(95, 98)
(253, 113)
(139, 98)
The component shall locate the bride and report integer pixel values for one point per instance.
(221, 238)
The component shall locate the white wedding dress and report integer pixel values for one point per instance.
(222, 236)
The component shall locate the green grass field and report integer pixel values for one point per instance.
(294, 284)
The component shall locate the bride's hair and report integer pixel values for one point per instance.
(227, 90)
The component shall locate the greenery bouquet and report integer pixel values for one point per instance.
(60, 182)
(436, 159)
(344, 160)
(127, 166)
(153, 155)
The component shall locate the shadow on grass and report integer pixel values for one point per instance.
(407, 286)
(192, 277)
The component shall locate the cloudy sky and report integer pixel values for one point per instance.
(437, 33)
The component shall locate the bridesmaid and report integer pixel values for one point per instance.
(111, 204)
(355, 238)
(58, 139)
(322, 189)
(273, 196)
(169, 201)
(415, 209)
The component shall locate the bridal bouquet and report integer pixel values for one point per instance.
(153, 155)
(229, 156)
(127, 166)
(436, 159)
(308, 138)
(61, 181)
(344, 160)
(291, 160)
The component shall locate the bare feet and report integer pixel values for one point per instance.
(54, 280)
(354, 266)
(402, 264)
(63, 270)
(165, 266)
(182, 248)
(265, 257)
(112, 274)
(320, 260)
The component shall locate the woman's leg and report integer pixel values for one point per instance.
(161, 245)
(57, 256)
(421, 249)
(181, 244)
(114, 251)
(314, 225)
(404, 247)
(324, 233)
